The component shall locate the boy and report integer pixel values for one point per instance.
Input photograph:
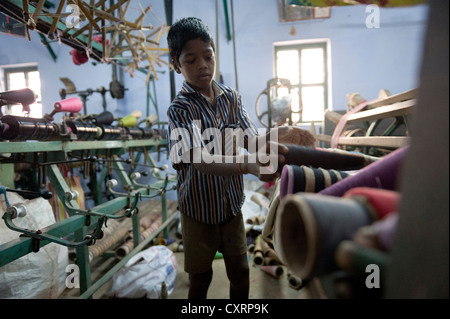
(210, 184)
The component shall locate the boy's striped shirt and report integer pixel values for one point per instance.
(200, 196)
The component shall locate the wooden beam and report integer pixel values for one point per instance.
(394, 110)
(333, 116)
(56, 19)
(376, 141)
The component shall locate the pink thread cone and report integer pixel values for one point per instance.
(71, 105)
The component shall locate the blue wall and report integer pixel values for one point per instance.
(363, 60)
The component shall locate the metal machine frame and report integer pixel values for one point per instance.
(80, 222)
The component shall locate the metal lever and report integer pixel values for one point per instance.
(159, 190)
(20, 210)
(69, 196)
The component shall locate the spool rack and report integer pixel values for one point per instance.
(76, 225)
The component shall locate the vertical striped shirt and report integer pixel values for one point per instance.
(192, 118)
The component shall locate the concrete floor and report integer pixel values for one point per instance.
(262, 285)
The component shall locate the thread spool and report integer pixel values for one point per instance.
(109, 132)
(147, 133)
(302, 178)
(380, 174)
(27, 128)
(83, 131)
(152, 118)
(112, 183)
(17, 210)
(70, 105)
(134, 132)
(137, 114)
(128, 121)
(105, 118)
(309, 227)
(72, 195)
(301, 155)
(23, 96)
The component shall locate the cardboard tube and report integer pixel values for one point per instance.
(256, 220)
(382, 200)
(274, 271)
(309, 227)
(354, 258)
(258, 258)
(294, 281)
(108, 241)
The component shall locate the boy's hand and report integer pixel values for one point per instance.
(265, 163)
(293, 135)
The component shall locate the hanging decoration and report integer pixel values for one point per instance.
(99, 30)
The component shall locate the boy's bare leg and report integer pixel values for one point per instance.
(238, 274)
(199, 284)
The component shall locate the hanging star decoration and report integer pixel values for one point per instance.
(99, 30)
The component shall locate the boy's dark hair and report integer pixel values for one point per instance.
(184, 30)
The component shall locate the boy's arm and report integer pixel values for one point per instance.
(263, 164)
(285, 135)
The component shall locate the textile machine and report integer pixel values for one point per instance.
(98, 147)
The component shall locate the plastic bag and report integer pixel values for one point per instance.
(143, 275)
(35, 275)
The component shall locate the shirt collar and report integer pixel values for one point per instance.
(187, 89)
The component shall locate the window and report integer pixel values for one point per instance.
(19, 78)
(305, 66)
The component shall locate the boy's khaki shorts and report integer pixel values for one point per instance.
(201, 242)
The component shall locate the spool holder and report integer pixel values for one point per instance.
(159, 190)
(37, 235)
(129, 212)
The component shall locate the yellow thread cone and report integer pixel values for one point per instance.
(128, 121)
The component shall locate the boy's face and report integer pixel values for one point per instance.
(197, 64)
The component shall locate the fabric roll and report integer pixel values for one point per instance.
(303, 178)
(309, 227)
(327, 159)
(382, 174)
(383, 201)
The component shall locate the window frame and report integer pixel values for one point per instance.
(299, 46)
(26, 69)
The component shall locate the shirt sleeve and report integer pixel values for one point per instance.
(183, 134)
(243, 118)
(246, 125)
